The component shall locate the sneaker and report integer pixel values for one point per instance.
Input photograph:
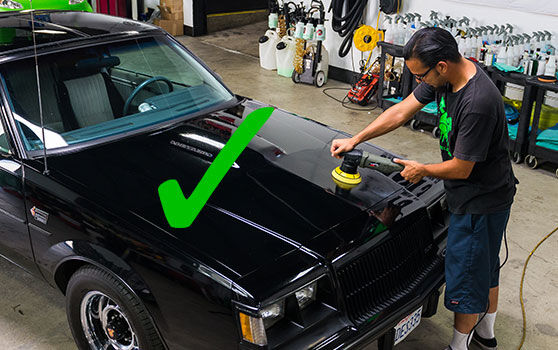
(483, 343)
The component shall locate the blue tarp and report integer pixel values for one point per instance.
(549, 138)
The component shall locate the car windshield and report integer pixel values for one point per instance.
(108, 90)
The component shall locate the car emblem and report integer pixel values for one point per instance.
(110, 332)
(39, 215)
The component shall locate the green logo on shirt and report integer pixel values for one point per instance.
(445, 125)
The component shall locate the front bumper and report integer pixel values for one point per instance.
(353, 338)
(335, 333)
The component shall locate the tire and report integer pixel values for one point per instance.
(128, 322)
(517, 158)
(532, 162)
(295, 77)
(436, 132)
(415, 124)
(319, 79)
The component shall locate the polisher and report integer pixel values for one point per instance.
(347, 176)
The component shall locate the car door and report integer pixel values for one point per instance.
(14, 234)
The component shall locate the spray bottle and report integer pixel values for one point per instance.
(390, 29)
(273, 18)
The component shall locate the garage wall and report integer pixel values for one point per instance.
(522, 20)
(189, 13)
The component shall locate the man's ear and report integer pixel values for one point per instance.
(442, 67)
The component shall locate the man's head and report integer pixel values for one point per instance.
(431, 54)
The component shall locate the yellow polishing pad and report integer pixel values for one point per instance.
(366, 38)
(342, 178)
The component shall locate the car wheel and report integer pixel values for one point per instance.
(295, 77)
(436, 132)
(104, 314)
(415, 124)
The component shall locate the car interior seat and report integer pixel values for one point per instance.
(89, 92)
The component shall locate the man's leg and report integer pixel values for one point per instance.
(467, 275)
(484, 335)
(464, 323)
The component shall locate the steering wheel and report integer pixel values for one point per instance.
(140, 87)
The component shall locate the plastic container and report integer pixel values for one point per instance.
(550, 68)
(285, 52)
(268, 43)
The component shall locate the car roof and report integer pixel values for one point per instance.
(53, 27)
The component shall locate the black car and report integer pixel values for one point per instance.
(97, 112)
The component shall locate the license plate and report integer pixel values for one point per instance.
(406, 326)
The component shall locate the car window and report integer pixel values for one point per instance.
(4, 143)
(105, 91)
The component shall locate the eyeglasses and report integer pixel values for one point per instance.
(420, 77)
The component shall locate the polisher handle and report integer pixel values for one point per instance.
(384, 165)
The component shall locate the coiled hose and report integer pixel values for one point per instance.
(282, 26)
(345, 25)
(299, 55)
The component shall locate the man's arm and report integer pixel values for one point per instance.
(454, 169)
(390, 119)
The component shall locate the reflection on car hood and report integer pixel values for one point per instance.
(277, 197)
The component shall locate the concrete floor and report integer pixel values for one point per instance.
(32, 315)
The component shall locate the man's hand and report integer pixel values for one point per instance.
(341, 145)
(413, 172)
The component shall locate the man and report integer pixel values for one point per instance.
(476, 170)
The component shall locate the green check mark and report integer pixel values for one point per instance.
(181, 212)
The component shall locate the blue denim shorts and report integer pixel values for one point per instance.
(472, 260)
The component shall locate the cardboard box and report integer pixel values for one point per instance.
(166, 13)
(174, 5)
(174, 27)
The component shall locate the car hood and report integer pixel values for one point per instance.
(277, 197)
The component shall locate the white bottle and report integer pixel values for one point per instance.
(550, 66)
(461, 45)
(542, 65)
(511, 54)
(389, 32)
(518, 51)
(467, 47)
(502, 55)
(525, 62)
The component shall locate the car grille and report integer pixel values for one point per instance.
(387, 273)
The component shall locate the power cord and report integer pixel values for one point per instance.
(345, 102)
(524, 331)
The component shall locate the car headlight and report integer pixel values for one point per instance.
(272, 313)
(9, 4)
(75, 2)
(306, 295)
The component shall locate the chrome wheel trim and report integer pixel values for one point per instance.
(96, 311)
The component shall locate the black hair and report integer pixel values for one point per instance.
(432, 45)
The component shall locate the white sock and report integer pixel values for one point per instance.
(459, 341)
(486, 327)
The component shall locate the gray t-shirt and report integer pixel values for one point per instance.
(474, 128)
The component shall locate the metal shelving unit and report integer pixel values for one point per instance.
(403, 88)
(538, 154)
(518, 146)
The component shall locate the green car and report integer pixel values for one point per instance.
(69, 5)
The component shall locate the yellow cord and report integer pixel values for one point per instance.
(521, 287)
